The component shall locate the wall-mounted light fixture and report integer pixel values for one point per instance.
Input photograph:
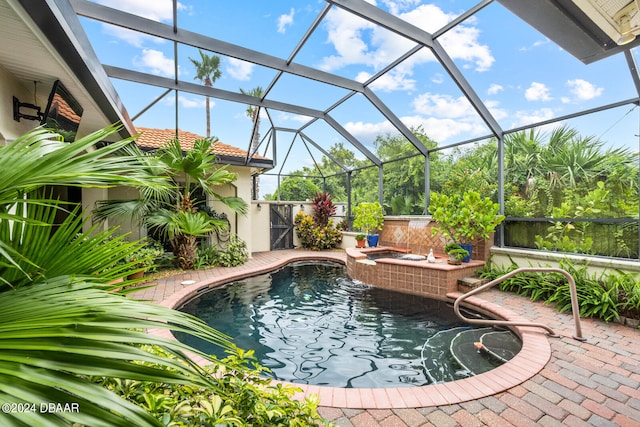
(258, 206)
(301, 206)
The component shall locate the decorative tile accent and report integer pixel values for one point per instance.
(398, 234)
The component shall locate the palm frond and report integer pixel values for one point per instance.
(45, 160)
(57, 333)
(66, 250)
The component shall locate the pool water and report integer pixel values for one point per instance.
(309, 323)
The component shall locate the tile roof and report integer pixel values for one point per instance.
(156, 138)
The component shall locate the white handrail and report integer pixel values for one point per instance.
(572, 288)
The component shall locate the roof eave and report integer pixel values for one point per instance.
(58, 21)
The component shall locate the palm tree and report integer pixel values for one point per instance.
(61, 322)
(178, 216)
(253, 113)
(207, 71)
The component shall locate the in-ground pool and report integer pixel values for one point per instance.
(309, 323)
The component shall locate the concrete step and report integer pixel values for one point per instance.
(467, 284)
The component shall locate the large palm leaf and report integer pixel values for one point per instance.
(95, 253)
(38, 159)
(55, 333)
(59, 323)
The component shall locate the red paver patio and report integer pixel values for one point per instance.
(553, 381)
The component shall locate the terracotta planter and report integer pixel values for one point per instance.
(136, 275)
(360, 243)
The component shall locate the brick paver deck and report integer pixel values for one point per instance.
(596, 382)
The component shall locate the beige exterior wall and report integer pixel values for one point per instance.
(10, 87)
(530, 258)
(260, 226)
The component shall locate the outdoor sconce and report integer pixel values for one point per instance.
(17, 114)
(258, 206)
(301, 206)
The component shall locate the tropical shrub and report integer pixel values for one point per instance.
(146, 258)
(240, 396)
(235, 253)
(606, 296)
(316, 237)
(466, 217)
(175, 212)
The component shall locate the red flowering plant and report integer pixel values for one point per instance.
(317, 232)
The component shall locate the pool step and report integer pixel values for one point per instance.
(467, 284)
(461, 352)
(437, 360)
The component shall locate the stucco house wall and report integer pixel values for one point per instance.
(10, 87)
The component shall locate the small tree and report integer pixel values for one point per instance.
(463, 218)
(369, 217)
(178, 217)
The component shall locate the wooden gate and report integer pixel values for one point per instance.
(281, 217)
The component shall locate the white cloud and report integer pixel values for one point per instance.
(535, 44)
(524, 118)
(134, 38)
(395, 6)
(537, 92)
(393, 80)
(157, 10)
(439, 129)
(462, 43)
(444, 106)
(357, 41)
(495, 88)
(369, 131)
(238, 69)
(298, 118)
(284, 21)
(584, 90)
(345, 33)
(496, 112)
(194, 102)
(188, 102)
(438, 78)
(155, 62)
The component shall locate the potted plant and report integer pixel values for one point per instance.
(456, 253)
(360, 240)
(369, 218)
(464, 218)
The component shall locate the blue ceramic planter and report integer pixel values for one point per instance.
(468, 248)
(372, 240)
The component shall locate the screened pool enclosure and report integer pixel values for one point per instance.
(534, 104)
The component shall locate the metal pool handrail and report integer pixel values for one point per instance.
(574, 302)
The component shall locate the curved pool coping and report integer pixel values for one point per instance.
(534, 355)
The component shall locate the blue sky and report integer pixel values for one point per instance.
(520, 75)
